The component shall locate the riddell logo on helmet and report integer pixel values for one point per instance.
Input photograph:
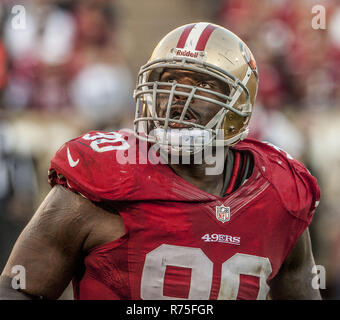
(186, 53)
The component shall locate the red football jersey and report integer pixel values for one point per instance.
(182, 242)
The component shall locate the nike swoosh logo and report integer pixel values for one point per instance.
(70, 160)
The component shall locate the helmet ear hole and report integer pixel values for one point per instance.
(233, 124)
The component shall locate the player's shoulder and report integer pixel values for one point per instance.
(94, 164)
(94, 148)
(296, 187)
(268, 152)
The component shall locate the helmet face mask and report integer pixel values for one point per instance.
(225, 59)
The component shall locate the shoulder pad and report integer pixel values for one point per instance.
(113, 166)
(87, 164)
(298, 190)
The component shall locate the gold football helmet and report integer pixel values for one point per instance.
(205, 48)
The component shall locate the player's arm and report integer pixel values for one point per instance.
(52, 244)
(294, 280)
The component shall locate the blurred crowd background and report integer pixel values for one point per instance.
(72, 68)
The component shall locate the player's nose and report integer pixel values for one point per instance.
(183, 90)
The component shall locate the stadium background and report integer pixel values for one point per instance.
(72, 68)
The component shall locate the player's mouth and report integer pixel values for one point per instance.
(175, 114)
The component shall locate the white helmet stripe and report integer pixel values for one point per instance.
(195, 35)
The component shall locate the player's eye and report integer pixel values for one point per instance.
(205, 85)
(171, 80)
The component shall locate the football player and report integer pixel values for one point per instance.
(124, 221)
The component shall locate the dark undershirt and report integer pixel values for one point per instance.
(238, 168)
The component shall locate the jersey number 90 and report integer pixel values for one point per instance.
(201, 266)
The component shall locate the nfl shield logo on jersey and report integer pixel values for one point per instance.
(223, 213)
